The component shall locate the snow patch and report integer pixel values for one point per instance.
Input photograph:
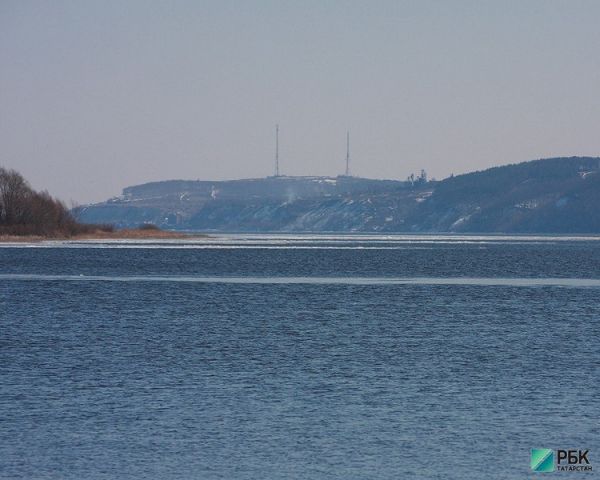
(528, 205)
(585, 174)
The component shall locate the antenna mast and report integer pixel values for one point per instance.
(348, 154)
(277, 150)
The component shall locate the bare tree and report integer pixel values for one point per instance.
(14, 193)
(23, 211)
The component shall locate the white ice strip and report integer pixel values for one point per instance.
(213, 247)
(344, 239)
(400, 237)
(477, 281)
(307, 241)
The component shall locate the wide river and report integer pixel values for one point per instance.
(298, 356)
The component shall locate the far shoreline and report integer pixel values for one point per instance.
(124, 234)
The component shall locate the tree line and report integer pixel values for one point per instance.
(24, 211)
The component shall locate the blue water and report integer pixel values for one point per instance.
(298, 357)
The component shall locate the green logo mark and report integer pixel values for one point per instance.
(542, 460)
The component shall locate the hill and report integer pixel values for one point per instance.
(557, 195)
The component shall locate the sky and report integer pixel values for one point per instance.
(99, 95)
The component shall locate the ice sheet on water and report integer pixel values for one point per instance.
(313, 241)
(468, 281)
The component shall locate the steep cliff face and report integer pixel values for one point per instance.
(560, 195)
(268, 204)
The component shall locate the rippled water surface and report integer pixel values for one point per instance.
(309, 357)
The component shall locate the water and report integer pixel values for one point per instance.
(298, 357)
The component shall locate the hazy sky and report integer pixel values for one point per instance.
(99, 95)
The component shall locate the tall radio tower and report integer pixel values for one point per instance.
(348, 154)
(277, 150)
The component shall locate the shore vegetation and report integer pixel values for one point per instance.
(26, 214)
